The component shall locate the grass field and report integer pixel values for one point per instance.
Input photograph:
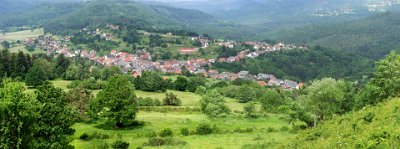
(155, 122)
(61, 84)
(188, 98)
(13, 36)
(23, 49)
(264, 131)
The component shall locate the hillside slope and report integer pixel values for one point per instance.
(61, 17)
(372, 127)
(373, 37)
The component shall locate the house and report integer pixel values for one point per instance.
(262, 83)
(188, 50)
(212, 72)
(262, 76)
(242, 74)
(84, 54)
(136, 73)
(300, 86)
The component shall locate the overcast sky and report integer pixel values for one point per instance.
(166, 1)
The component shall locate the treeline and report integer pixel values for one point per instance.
(304, 65)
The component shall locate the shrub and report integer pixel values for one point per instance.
(151, 134)
(145, 101)
(97, 135)
(213, 105)
(158, 141)
(157, 102)
(201, 90)
(185, 131)
(284, 128)
(74, 84)
(171, 100)
(204, 129)
(120, 145)
(155, 141)
(245, 94)
(250, 110)
(84, 136)
(167, 132)
(270, 129)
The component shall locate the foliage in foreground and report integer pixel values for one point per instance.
(371, 127)
(34, 120)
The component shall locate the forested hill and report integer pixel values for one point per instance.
(372, 37)
(61, 17)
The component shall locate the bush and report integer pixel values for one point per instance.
(97, 135)
(213, 105)
(167, 132)
(120, 145)
(155, 141)
(171, 100)
(204, 129)
(84, 136)
(245, 94)
(158, 141)
(250, 110)
(201, 90)
(157, 102)
(74, 84)
(185, 131)
(145, 101)
(284, 128)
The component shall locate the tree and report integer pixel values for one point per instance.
(195, 82)
(79, 98)
(73, 72)
(151, 81)
(213, 105)
(324, 97)
(171, 100)
(55, 118)
(201, 90)
(37, 74)
(181, 83)
(110, 71)
(118, 100)
(62, 64)
(270, 101)
(5, 44)
(384, 84)
(17, 116)
(95, 72)
(245, 94)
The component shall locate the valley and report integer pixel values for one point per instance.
(227, 74)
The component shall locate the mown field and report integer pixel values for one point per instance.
(23, 49)
(21, 35)
(234, 131)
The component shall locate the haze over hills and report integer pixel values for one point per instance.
(372, 37)
(272, 14)
(74, 15)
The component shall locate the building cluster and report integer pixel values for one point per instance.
(142, 60)
(262, 79)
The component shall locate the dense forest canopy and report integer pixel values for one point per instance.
(305, 65)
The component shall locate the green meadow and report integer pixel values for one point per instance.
(234, 131)
(21, 35)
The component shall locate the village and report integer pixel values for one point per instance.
(142, 59)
